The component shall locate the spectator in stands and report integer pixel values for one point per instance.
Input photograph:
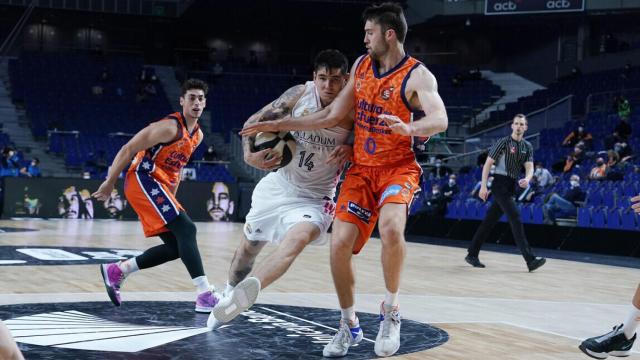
(615, 167)
(211, 154)
(439, 170)
(567, 205)
(572, 160)
(10, 163)
(620, 133)
(624, 109)
(32, 170)
(543, 176)
(434, 204)
(451, 188)
(577, 136)
(623, 149)
(599, 171)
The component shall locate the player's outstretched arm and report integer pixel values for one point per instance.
(423, 84)
(156, 133)
(328, 117)
(278, 108)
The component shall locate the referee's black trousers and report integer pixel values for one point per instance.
(502, 191)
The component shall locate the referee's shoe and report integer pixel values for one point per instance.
(536, 263)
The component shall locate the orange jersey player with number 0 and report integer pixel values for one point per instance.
(394, 98)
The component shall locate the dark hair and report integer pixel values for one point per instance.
(331, 59)
(36, 160)
(521, 116)
(197, 84)
(390, 16)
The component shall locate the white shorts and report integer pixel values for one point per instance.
(275, 209)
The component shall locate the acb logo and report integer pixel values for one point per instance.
(558, 4)
(505, 6)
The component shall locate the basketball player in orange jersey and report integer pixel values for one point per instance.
(395, 98)
(159, 152)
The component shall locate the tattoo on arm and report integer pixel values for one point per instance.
(276, 110)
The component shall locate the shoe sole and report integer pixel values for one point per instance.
(107, 285)
(244, 295)
(203, 310)
(592, 354)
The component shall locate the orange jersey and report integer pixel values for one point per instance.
(377, 94)
(164, 161)
(153, 175)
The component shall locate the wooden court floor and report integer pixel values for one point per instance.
(501, 312)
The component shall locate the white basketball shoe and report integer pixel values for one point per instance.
(242, 297)
(388, 339)
(348, 335)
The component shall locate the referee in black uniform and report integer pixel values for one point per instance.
(509, 154)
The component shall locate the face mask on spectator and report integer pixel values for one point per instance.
(574, 183)
(452, 182)
(435, 192)
(438, 164)
(488, 184)
(493, 169)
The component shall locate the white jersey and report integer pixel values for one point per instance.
(308, 171)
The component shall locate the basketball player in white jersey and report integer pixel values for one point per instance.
(292, 207)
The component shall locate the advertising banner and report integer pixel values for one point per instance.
(71, 199)
(506, 7)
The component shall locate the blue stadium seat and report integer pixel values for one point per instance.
(598, 217)
(629, 220)
(584, 216)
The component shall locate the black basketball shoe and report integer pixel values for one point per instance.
(613, 343)
(474, 261)
(536, 263)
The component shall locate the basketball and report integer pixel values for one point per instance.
(282, 142)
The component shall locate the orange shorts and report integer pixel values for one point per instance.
(366, 189)
(153, 202)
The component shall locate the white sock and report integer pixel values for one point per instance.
(201, 283)
(391, 300)
(349, 314)
(128, 266)
(633, 320)
(228, 289)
